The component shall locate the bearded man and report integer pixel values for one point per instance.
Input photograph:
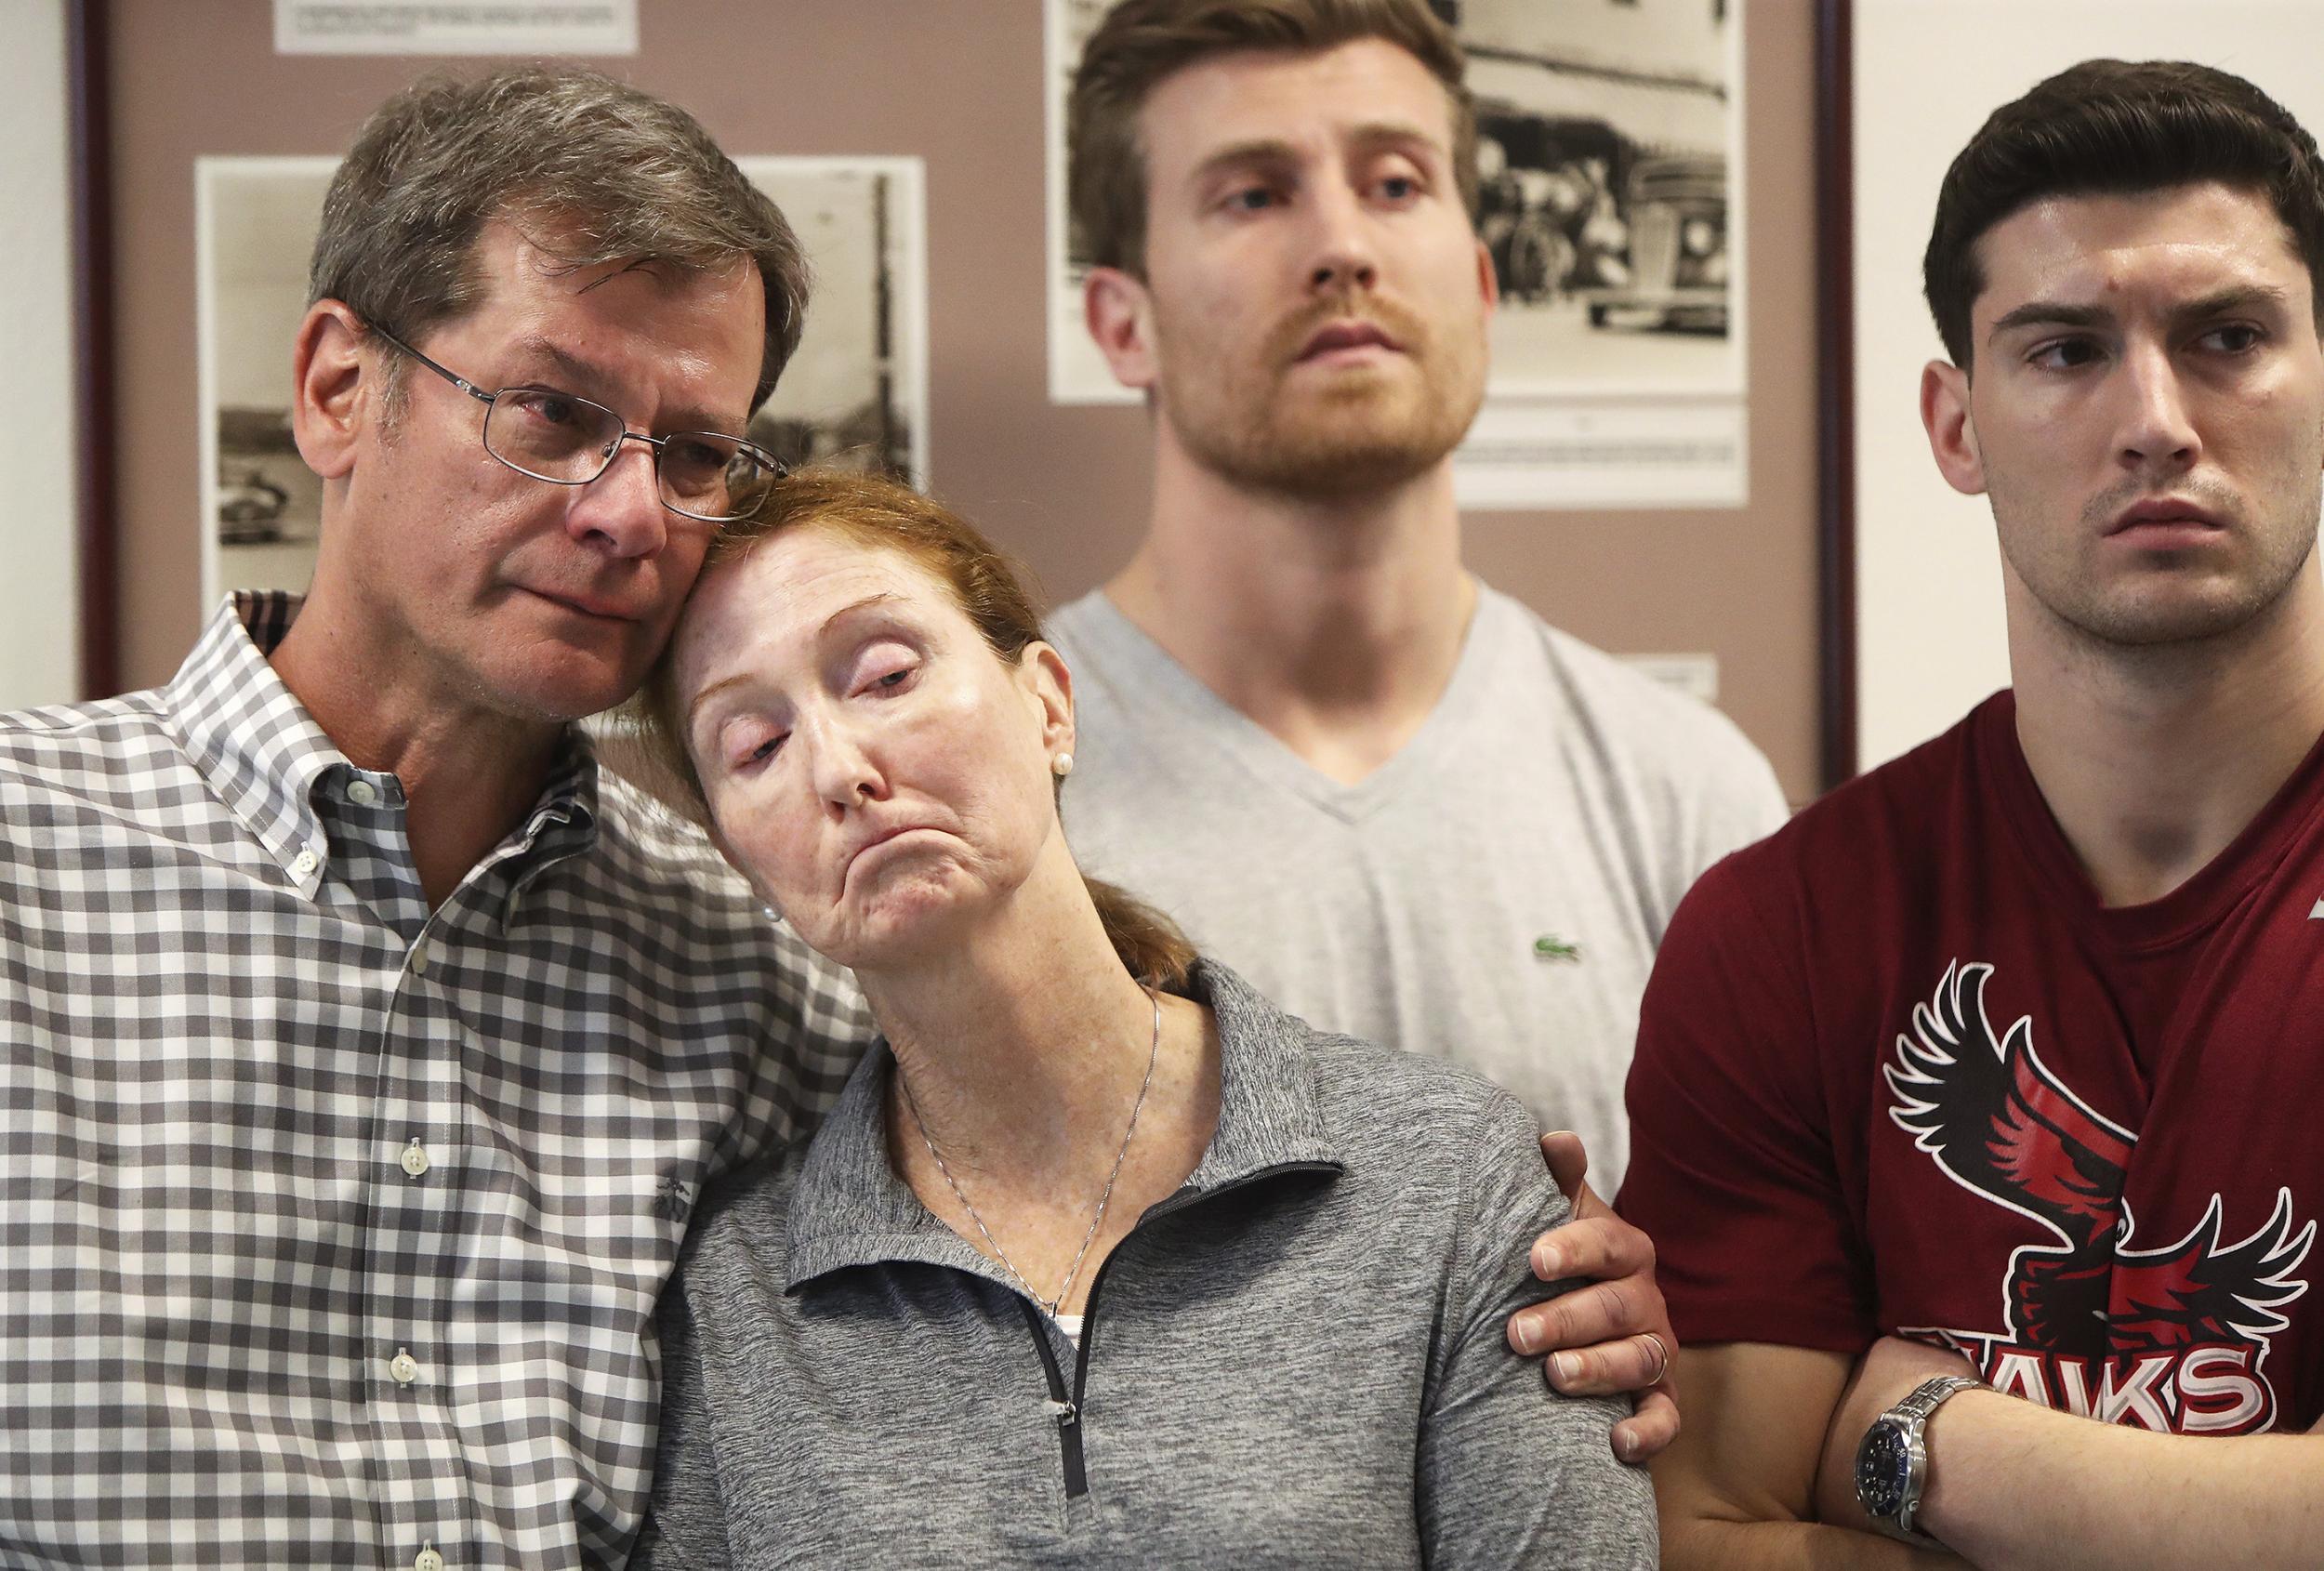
(1396, 800)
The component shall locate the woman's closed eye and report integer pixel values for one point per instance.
(749, 745)
(885, 669)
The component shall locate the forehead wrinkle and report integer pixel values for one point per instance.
(1222, 84)
(1367, 136)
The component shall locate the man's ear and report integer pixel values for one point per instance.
(1119, 310)
(1952, 433)
(334, 388)
(1050, 685)
(1489, 281)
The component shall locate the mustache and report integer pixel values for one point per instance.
(1290, 336)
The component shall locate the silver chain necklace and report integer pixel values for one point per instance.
(1064, 1289)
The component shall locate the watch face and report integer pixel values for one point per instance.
(1883, 1470)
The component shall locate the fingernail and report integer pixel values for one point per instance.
(1524, 1335)
(1567, 1365)
(1626, 1444)
(1547, 1261)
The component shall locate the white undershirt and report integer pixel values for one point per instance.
(1071, 1325)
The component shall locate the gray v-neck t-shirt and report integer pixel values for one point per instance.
(1492, 896)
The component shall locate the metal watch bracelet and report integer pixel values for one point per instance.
(1910, 1417)
(1928, 1394)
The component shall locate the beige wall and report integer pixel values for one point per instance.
(1929, 636)
(958, 82)
(39, 627)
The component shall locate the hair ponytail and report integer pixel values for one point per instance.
(1148, 942)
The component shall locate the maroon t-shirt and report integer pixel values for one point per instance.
(1899, 1071)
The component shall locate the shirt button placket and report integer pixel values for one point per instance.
(418, 1220)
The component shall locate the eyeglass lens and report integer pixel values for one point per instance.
(557, 437)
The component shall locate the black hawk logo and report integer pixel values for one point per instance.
(1998, 1122)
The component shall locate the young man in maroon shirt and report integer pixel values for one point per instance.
(2001, 1063)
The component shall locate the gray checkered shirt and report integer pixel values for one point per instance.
(333, 1225)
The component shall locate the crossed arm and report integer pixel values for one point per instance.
(1760, 1478)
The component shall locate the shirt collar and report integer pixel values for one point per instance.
(256, 743)
(264, 755)
(852, 1209)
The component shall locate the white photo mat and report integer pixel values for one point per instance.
(1619, 412)
(856, 391)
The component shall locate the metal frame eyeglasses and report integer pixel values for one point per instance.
(567, 440)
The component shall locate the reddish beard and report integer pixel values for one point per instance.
(1363, 433)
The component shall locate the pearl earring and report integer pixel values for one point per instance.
(1062, 764)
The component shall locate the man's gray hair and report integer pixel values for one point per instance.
(591, 169)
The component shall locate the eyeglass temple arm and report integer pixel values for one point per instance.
(452, 376)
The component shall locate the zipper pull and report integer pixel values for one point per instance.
(1062, 1412)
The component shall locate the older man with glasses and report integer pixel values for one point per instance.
(365, 1045)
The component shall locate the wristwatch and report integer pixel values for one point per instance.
(1892, 1459)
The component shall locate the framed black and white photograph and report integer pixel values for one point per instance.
(1610, 200)
(1077, 373)
(855, 394)
(1607, 133)
(261, 505)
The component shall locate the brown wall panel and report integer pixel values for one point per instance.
(958, 83)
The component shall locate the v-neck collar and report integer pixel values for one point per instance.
(2194, 905)
(1118, 639)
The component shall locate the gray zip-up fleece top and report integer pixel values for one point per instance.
(1297, 1360)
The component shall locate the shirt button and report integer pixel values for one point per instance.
(363, 793)
(403, 1367)
(420, 956)
(428, 1560)
(305, 862)
(415, 1157)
